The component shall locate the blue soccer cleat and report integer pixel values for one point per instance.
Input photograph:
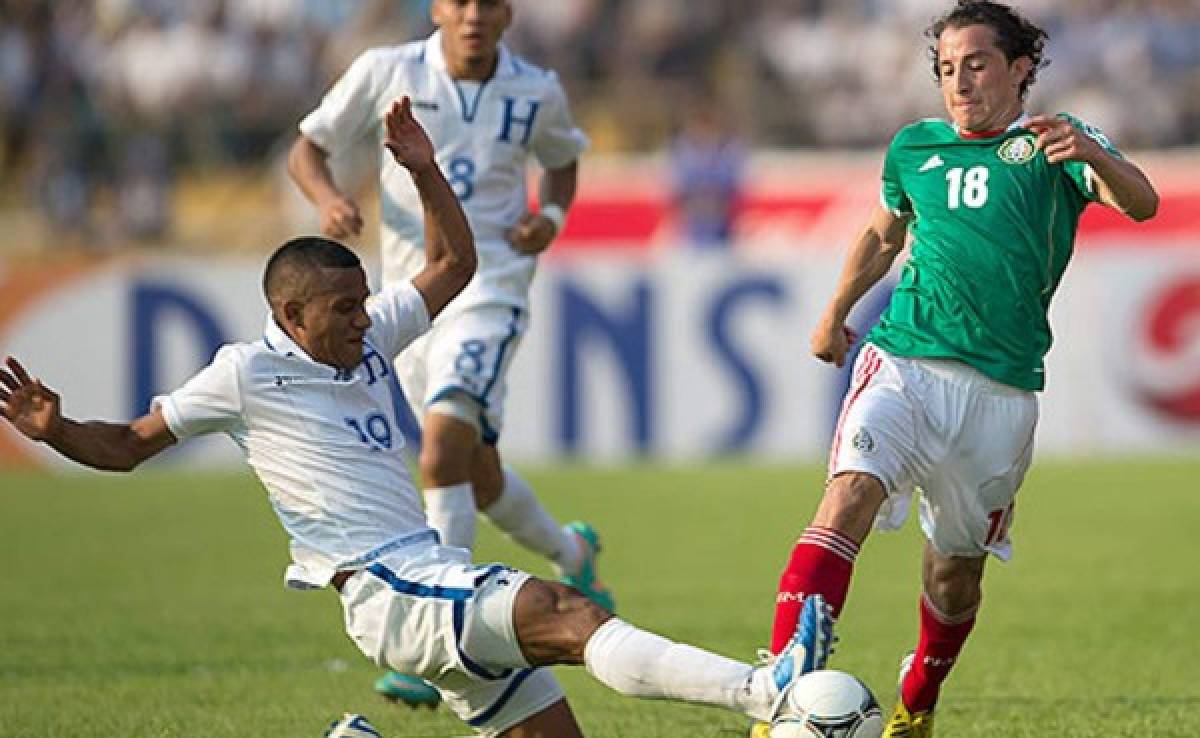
(586, 580)
(809, 648)
(412, 691)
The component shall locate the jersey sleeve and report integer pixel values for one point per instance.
(891, 191)
(398, 317)
(209, 402)
(348, 112)
(1080, 173)
(558, 141)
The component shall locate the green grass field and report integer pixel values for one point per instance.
(152, 605)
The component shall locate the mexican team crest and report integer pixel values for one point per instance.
(863, 441)
(1017, 150)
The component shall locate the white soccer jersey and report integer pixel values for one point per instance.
(324, 442)
(483, 134)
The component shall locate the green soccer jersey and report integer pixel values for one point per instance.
(993, 227)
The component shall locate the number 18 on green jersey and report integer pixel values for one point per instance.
(993, 226)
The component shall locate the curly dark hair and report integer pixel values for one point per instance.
(1016, 35)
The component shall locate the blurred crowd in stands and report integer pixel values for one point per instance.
(111, 101)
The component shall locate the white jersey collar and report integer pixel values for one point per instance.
(281, 343)
(506, 64)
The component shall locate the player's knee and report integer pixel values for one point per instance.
(554, 622)
(579, 617)
(575, 614)
(954, 598)
(954, 584)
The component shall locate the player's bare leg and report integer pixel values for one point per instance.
(511, 505)
(556, 721)
(487, 475)
(953, 592)
(555, 624)
(462, 474)
(849, 504)
(951, 598)
(954, 584)
(447, 453)
(822, 560)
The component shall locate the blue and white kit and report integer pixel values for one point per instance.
(485, 134)
(326, 444)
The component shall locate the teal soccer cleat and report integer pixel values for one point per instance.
(586, 580)
(412, 691)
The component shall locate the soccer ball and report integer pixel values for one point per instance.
(352, 726)
(828, 704)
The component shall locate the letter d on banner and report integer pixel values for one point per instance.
(157, 308)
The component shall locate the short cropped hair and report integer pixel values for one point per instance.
(1016, 35)
(290, 267)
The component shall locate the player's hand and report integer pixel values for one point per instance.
(340, 218)
(532, 234)
(30, 406)
(1061, 141)
(831, 341)
(406, 139)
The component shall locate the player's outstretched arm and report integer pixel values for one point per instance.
(1123, 186)
(1120, 184)
(35, 410)
(308, 165)
(871, 256)
(449, 245)
(534, 232)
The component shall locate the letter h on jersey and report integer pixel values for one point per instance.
(511, 119)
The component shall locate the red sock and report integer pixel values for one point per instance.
(821, 563)
(937, 649)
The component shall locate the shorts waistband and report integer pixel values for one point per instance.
(960, 371)
(352, 567)
(429, 535)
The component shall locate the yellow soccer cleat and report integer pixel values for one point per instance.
(760, 730)
(904, 724)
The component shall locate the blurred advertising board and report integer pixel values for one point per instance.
(669, 354)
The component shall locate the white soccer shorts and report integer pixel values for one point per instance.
(431, 613)
(940, 426)
(467, 351)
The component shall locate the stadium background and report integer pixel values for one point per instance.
(142, 161)
(666, 380)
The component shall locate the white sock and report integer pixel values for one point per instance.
(637, 663)
(520, 514)
(451, 512)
